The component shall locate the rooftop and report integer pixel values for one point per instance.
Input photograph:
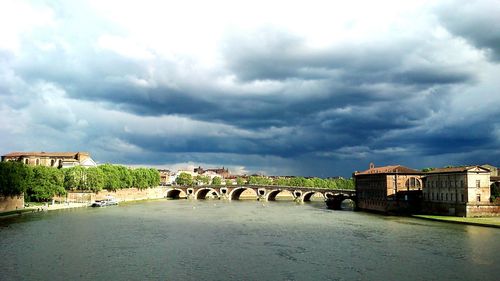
(46, 154)
(394, 169)
(459, 169)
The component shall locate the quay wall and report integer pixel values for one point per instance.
(11, 203)
(484, 210)
(462, 210)
(128, 194)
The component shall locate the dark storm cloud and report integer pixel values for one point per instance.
(476, 21)
(393, 99)
(339, 78)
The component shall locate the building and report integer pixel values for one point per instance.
(223, 172)
(494, 172)
(459, 191)
(388, 189)
(51, 159)
(164, 176)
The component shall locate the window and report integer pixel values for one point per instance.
(478, 184)
(52, 162)
(26, 161)
(432, 196)
(442, 196)
(446, 196)
(412, 183)
(462, 197)
(37, 162)
(478, 198)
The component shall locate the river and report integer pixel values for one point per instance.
(240, 240)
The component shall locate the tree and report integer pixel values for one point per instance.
(281, 182)
(154, 177)
(14, 178)
(199, 179)
(112, 177)
(95, 179)
(240, 181)
(74, 178)
(126, 177)
(217, 181)
(184, 179)
(140, 176)
(45, 183)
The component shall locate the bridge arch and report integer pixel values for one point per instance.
(236, 193)
(306, 197)
(271, 195)
(176, 193)
(202, 193)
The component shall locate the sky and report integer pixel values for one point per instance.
(311, 88)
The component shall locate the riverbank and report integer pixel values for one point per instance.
(41, 208)
(486, 221)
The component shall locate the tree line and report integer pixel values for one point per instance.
(340, 183)
(40, 183)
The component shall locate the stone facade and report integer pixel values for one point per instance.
(223, 172)
(388, 189)
(11, 203)
(51, 159)
(460, 191)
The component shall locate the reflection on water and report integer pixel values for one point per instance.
(240, 240)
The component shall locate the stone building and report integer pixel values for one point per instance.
(223, 172)
(51, 159)
(388, 189)
(165, 176)
(459, 191)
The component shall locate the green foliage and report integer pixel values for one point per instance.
(144, 178)
(14, 178)
(259, 180)
(303, 182)
(126, 177)
(216, 181)
(199, 179)
(95, 179)
(113, 177)
(495, 192)
(74, 178)
(45, 183)
(184, 179)
(240, 181)
(228, 182)
(425, 170)
(41, 183)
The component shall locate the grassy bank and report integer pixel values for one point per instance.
(488, 221)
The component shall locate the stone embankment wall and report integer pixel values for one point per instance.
(129, 194)
(10, 203)
(462, 210)
(483, 210)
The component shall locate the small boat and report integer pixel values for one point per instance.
(106, 202)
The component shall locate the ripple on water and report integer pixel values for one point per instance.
(207, 240)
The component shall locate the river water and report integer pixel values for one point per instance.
(241, 240)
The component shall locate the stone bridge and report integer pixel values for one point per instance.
(267, 193)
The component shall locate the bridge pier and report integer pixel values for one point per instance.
(297, 196)
(224, 193)
(261, 194)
